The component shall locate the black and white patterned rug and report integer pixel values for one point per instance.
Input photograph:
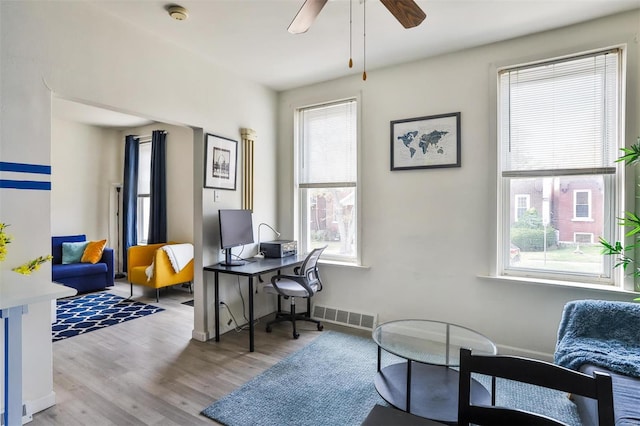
(94, 311)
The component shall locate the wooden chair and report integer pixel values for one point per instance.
(535, 372)
(525, 370)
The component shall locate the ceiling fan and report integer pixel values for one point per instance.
(407, 12)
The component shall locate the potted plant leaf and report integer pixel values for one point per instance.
(625, 254)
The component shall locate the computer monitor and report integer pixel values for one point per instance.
(236, 229)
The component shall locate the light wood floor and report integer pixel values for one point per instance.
(149, 371)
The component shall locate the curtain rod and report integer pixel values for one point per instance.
(148, 136)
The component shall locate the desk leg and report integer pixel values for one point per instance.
(216, 298)
(13, 364)
(408, 386)
(251, 314)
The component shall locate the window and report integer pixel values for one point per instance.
(144, 191)
(523, 202)
(582, 205)
(327, 181)
(559, 137)
(582, 238)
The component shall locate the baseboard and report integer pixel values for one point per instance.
(43, 403)
(200, 336)
(29, 408)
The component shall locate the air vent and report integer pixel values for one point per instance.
(365, 321)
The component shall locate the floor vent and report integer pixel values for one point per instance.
(361, 320)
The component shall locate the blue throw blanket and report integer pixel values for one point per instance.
(602, 333)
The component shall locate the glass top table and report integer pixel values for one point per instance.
(426, 384)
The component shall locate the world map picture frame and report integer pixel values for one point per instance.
(221, 161)
(426, 142)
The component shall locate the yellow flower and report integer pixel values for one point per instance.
(26, 268)
(4, 240)
(33, 265)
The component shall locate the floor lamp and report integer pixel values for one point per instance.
(119, 274)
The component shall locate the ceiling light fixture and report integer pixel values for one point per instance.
(178, 13)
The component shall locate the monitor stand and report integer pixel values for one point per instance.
(228, 261)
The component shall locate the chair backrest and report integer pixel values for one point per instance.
(309, 268)
(531, 371)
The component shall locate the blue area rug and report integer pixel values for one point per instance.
(94, 311)
(330, 382)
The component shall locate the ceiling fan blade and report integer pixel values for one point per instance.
(305, 16)
(407, 12)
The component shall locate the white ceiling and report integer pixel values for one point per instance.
(94, 116)
(250, 38)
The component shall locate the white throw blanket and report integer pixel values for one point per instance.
(179, 256)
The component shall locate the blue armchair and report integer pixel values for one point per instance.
(84, 277)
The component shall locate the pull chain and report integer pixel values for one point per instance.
(350, 34)
(364, 41)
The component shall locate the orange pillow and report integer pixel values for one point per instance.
(93, 252)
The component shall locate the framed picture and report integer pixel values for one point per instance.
(426, 142)
(221, 160)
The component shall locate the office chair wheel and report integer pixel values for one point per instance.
(320, 327)
(269, 329)
(296, 335)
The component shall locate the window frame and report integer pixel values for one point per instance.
(142, 222)
(527, 198)
(575, 234)
(588, 217)
(615, 189)
(299, 199)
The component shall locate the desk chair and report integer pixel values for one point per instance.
(523, 370)
(305, 283)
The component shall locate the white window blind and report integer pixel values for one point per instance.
(559, 118)
(329, 152)
(144, 168)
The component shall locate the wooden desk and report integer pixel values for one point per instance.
(16, 293)
(252, 268)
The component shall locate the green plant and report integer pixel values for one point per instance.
(528, 233)
(631, 221)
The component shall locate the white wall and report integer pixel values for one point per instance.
(85, 162)
(70, 50)
(428, 234)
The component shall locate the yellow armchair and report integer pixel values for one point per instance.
(139, 258)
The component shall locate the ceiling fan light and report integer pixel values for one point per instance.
(178, 13)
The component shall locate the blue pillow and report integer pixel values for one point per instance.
(72, 252)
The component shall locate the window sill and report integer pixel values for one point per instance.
(343, 264)
(555, 283)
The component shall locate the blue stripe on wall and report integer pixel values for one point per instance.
(25, 168)
(25, 184)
